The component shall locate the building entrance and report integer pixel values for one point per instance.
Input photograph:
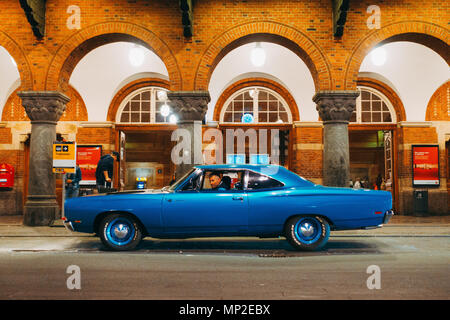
(371, 159)
(145, 159)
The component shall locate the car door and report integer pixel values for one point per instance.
(202, 212)
(266, 200)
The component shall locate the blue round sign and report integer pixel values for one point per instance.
(247, 118)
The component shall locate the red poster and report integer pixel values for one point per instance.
(425, 165)
(87, 159)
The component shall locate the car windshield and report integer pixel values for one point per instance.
(179, 181)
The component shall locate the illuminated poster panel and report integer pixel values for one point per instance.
(425, 162)
(87, 159)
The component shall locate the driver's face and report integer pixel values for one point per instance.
(214, 181)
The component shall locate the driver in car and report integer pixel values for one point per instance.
(215, 182)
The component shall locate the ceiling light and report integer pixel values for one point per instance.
(165, 110)
(173, 119)
(258, 55)
(162, 95)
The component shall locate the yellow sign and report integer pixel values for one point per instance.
(64, 157)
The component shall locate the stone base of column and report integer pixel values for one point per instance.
(41, 211)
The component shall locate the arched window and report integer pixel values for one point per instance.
(373, 107)
(255, 105)
(146, 105)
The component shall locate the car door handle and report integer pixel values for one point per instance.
(238, 198)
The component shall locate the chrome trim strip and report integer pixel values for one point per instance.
(68, 225)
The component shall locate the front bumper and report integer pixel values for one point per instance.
(68, 225)
(387, 216)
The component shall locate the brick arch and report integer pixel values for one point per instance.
(388, 92)
(430, 35)
(438, 108)
(75, 108)
(129, 88)
(87, 39)
(253, 82)
(23, 66)
(265, 31)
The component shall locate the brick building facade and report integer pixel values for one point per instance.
(303, 27)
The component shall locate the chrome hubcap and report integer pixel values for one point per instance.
(307, 229)
(121, 231)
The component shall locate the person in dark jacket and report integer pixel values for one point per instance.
(105, 170)
(73, 183)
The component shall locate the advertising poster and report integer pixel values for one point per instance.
(87, 159)
(425, 161)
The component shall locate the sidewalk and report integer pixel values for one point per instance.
(12, 226)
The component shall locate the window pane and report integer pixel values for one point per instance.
(248, 106)
(365, 95)
(262, 95)
(365, 105)
(239, 97)
(238, 105)
(237, 117)
(385, 108)
(258, 181)
(262, 105)
(159, 117)
(247, 95)
(145, 117)
(228, 116)
(145, 106)
(365, 116)
(135, 117)
(375, 97)
(284, 116)
(145, 95)
(262, 117)
(125, 117)
(273, 116)
(136, 97)
(387, 117)
(376, 117)
(229, 108)
(273, 105)
(127, 107)
(135, 106)
(376, 105)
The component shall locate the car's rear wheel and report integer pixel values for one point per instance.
(120, 232)
(307, 232)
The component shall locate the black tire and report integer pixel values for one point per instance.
(120, 232)
(307, 233)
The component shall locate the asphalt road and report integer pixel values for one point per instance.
(409, 264)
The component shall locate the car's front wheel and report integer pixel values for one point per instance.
(307, 232)
(120, 232)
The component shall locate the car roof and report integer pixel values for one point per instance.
(280, 173)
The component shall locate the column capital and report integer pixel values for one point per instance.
(336, 106)
(44, 106)
(189, 105)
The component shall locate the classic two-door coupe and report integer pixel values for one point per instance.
(251, 200)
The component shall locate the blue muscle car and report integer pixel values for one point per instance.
(229, 200)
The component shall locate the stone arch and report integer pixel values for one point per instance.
(438, 108)
(23, 66)
(430, 35)
(265, 31)
(87, 39)
(260, 82)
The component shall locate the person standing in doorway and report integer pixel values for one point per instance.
(105, 171)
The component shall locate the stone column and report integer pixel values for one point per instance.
(190, 107)
(335, 109)
(44, 108)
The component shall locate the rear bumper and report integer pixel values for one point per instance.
(387, 216)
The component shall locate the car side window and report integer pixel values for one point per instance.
(258, 181)
(220, 181)
(192, 184)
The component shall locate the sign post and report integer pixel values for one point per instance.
(64, 161)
